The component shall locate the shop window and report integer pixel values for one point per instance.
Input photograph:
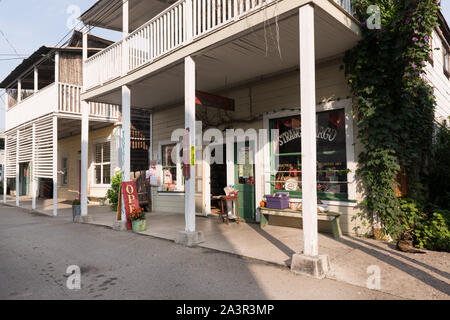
(102, 165)
(64, 169)
(331, 155)
(172, 175)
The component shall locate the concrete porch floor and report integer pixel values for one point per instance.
(410, 276)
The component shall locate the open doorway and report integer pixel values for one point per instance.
(218, 180)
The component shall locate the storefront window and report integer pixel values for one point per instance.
(172, 176)
(331, 155)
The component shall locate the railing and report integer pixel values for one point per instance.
(69, 102)
(168, 31)
(41, 103)
(104, 66)
(160, 35)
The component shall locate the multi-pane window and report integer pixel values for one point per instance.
(64, 169)
(172, 175)
(286, 156)
(102, 165)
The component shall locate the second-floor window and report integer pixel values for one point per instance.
(446, 62)
(102, 165)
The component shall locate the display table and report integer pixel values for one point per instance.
(225, 199)
(333, 217)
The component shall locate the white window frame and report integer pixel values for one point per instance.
(345, 104)
(64, 172)
(94, 163)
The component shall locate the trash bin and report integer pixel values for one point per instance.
(76, 211)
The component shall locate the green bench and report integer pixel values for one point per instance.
(333, 217)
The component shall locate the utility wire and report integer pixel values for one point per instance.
(102, 15)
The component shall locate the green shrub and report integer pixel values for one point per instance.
(433, 233)
(428, 226)
(113, 194)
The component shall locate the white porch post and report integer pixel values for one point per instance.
(189, 86)
(19, 91)
(308, 116)
(5, 180)
(36, 80)
(55, 166)
(17, 167)
(33, 168)
(57, 106)
(309, 262)
(84, 134)
(190, 237)
(126, 127)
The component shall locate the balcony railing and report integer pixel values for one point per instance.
(169, 31)
(60, 98)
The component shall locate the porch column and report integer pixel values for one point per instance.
(309, 262)
(17, 167)
(55, 166)
(33, 167)
(84, 134)
(84, 157)
(36, 80)
(19, 91)
(126, 132)
(189, 237)
(5, 180)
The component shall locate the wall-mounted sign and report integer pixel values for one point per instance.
(211, 100)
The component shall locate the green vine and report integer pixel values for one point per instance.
(394, 105)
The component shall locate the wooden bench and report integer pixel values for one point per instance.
(333, 217)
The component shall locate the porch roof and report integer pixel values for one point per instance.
(96, 44)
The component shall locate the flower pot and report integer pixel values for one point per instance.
(76, 211)
(139, 225)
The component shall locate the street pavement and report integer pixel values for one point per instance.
(36, 250)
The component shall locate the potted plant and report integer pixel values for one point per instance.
(76, 208)
(138, 221)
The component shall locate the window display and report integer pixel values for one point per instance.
(331, 154)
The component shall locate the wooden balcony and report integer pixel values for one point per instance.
(59, 98)
(172, 29)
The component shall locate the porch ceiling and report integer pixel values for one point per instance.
(140, 11)
(72, 127)
(266, 50)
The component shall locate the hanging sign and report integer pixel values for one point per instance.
(130, 199)
(214, 101)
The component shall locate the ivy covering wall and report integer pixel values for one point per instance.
(394, 105)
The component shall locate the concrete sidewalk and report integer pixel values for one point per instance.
(410, 276)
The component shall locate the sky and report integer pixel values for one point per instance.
(26, 25)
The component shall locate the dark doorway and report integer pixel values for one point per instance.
(218, 180)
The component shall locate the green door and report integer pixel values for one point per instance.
(244, 173)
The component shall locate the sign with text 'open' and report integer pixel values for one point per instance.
(130, 199)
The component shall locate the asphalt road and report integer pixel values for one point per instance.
(35, 252)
